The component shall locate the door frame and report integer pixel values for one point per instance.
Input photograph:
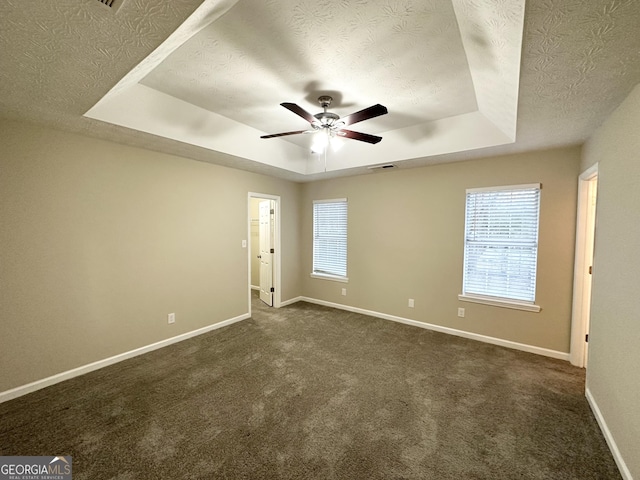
(277, 284)
(581, 293)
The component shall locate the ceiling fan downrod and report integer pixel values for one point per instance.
(326, 119)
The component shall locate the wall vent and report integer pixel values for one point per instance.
(108, 3)
(386, 166)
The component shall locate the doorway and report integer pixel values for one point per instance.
(583, 267)
(264, 247)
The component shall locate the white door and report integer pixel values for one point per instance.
(583, 267)
(590, 240)
(266, 209)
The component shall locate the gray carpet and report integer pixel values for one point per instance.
(308, 392)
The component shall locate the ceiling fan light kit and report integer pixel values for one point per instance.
(331, 125)
(325, 139)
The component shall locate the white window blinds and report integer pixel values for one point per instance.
(501, 242)
(330, 237)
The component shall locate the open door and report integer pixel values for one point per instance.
(266, 250)
(589, 247)
(583, 270)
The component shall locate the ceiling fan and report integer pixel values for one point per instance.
(331, 124)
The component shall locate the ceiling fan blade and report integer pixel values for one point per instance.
(371, 112)
(300, 111)
(363, 137)
(284, 134)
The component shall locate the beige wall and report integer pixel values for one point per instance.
(614, 353)
(99, 242)
(405, 235)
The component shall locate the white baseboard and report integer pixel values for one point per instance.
(291, 300)
(76, 372)
(255, 287)
(617, 456)
(451, 331)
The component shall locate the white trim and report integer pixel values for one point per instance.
(291, 301)
(277, 256)
(617, 456)
(255, 287)
(581, 295)
(451, 331)
(76, 372)
(331, 200)
(590, 172)
(328, 276)
(499, 302)
(526, 186)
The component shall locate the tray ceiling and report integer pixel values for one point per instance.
(461, 78)
(444, 69)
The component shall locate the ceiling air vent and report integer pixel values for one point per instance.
(386, 166)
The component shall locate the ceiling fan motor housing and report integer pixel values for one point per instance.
(327, 118)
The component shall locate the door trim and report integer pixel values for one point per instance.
(277, 284)
(581, 297)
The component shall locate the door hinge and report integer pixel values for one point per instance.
(272, 211)
(586, 338)
(273, 251)
(590, 269)
(273, 289)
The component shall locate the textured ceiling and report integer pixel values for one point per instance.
(577, 63)
(260, 54)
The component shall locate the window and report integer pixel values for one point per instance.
(330, 239)
(501, 246)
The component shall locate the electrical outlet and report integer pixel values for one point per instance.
(411, 303)
(461, 312)
(344, 291)
(171, 318)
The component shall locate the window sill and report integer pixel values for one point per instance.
(500, 302)
(326, 276)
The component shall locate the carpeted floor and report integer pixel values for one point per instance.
(308, 392)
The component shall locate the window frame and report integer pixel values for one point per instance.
(501, 301)
(326, 275)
